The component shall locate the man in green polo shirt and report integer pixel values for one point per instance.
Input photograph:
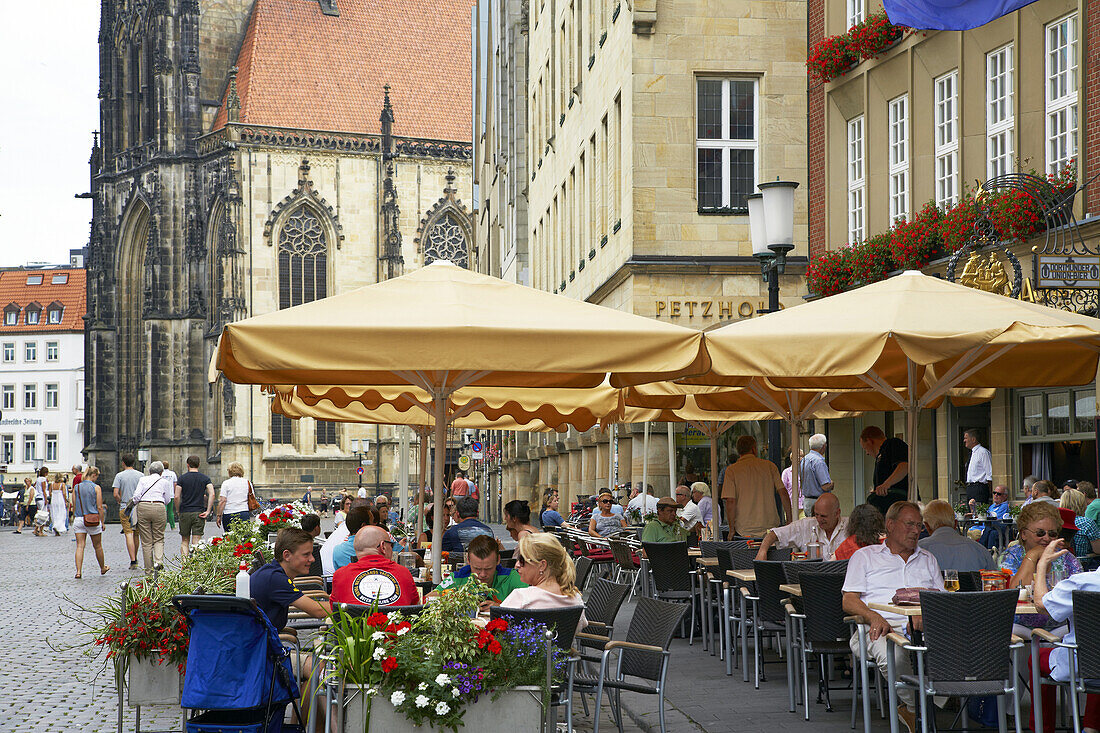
(483, 556)
(665, 528)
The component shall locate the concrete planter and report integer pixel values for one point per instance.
(150, 683)
(518, 709)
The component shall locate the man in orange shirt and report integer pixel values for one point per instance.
(459, 487)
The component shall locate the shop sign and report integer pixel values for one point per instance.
(1068, 272)
(706, 309)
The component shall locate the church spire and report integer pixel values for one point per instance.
(390, 250)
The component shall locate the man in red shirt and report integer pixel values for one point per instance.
(460, 487)
(375, 576)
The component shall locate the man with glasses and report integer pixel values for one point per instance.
(382, 504)
(999, 511)
(688, 513)
(874, 575)
(666, 527)
(824, 526)
(374, 576)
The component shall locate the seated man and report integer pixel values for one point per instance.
(457, 537)
(312, 523)
(874, 574)
(483, 563)
(374, 576)
(951, 550)
(999, 510)
(344, 553)
(688, 512)
(666, 527)
(825, 525)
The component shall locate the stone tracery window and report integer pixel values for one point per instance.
(303, 259)
(446, 240)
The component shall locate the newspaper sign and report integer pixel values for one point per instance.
(1069, 272)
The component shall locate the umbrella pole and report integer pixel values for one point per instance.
(645, 465)
(611, 459)
(439, 404)
(912, 421)
(422, 480)
(796, 469)
(671, 462)
(715, 490)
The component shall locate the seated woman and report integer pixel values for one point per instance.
(1039, 524)
(517, 518)
(605, 522)
(1086, 541)
(544, 566)
(865, 527)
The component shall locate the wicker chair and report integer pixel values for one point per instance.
(600, 610)
(583, 566)
(980, 624)
(794, 570)
(710, 586)
(673, 578)
(643, 655)
(970, 581)
(1084, 658)
(625, 562)
(769, 615)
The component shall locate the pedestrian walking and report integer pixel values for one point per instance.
(41, 488)
(172, 479)
(233, 503)
(152, 494)
(195, 497)
(88, 501)
(27, 506)
(59, 505)
(123, 486)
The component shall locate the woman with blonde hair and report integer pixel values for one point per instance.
(88, 501)
(544, 566)
(59, 505)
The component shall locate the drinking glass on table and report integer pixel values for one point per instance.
(1057, 573)
(951, 580)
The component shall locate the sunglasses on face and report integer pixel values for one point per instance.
(1044, 532)
(998, 493)
(605, 501)
(520, 562)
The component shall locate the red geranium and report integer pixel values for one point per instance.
(497, 624)
(378, 620)
(389, 664)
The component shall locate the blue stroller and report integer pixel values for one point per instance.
(238, 675)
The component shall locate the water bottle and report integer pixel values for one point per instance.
(243, 582)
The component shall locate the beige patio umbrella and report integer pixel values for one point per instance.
(442, 328)
(910, 338)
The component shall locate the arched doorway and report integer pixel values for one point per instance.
(132, 357)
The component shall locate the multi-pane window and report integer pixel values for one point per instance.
(281, 433)
(30, 396)
(53, 351)
(7, 449)
(303, 259)
(9, 352)
(854, 11)
(8, 392)
(727, 138)
(11, 317)
(30, 448)
(1061, 92)
(51, 396)
(999, 111)
(30, 351)
(31, 316)
(326, 432)
(947, 139)
(53, 315)
(51, 447)
(856, 181)
(899, 158)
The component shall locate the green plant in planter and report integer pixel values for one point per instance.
(1014, 510)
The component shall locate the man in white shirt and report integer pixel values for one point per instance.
(824, 525)
(874, 574)
(636, 500)
(688, 513)
(171, 477)
(979, 471)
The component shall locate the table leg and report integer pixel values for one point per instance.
(745, 637)
(891, 690)
(863, 678)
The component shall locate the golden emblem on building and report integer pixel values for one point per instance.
(986, 274)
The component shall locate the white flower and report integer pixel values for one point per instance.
(422, 701)
(442, 680)
(397, 698)
(422, 686)
(377, 636)
(403, 630)
(379, 653)
(372, 691)
(455, 692)
(442, 708)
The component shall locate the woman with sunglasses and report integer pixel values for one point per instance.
(1040, 523)
(604, 522)
(548, 571)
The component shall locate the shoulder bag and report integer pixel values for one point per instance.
(132, 504)
(90, 519)
(253, 504)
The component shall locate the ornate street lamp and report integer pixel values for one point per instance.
(771, 224)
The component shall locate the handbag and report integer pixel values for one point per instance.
(90, 520)
(253, 504)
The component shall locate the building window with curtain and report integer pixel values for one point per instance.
(303, 259)
(899, 158)
(999, 112)
(854, 12)
(856, 181)
(947, 139)
(1061, 92)
(281, 432)
(727, 139)
(1057, 433)
(326, 432)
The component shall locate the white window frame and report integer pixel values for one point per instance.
(7, 449)
(855, 11)
(30, 396)
(1061, 39)
(726, 144)
(53, 315)
(32, 316)
(1000, 116)
(30, 447)
(898, 157)
(30, 351)
(857, 181)
(53, 351)
(52, 396)
(946, 138)
(7, 397)
(9, 352)
(11, 318)
(50, 441)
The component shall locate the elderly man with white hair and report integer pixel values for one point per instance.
(151, 496)
(814, 478)
(951, 550)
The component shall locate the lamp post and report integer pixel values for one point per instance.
(771, 225)
(356, 444)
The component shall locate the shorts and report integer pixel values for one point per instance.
(29, 511)
(124, 520)
(78, 527)
(191, 524)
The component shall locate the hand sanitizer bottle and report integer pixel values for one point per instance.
(243, 582)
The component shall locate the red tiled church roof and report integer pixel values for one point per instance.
(71, 294)
(302, 69)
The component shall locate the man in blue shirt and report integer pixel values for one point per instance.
(457, 537)
(344, 553)
(814, 478)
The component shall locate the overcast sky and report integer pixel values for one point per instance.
(49, 79)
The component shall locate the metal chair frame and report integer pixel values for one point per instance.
(1084, 658)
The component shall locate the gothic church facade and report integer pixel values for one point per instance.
(255, 155)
